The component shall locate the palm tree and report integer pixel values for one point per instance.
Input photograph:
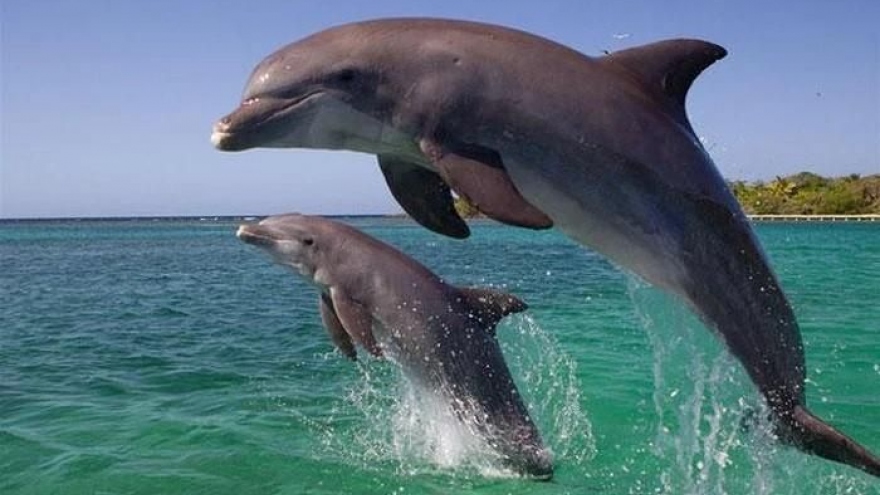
(782, 188)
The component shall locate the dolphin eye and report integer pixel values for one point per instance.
(345, 76)
(308, 241)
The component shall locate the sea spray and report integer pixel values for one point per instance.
(425, 428)
(700, 398)
(713, 430)
(547, 378)
(402, 426)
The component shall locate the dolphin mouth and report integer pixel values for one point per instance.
(254, 235)
(241, 129)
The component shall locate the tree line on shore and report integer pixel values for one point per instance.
(804, 193)
(807, 193)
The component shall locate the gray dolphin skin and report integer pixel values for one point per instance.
(443, 337)
(536, 134)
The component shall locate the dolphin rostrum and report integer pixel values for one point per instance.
(536, 134)
(442, 336)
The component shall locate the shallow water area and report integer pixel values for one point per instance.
(168, 357)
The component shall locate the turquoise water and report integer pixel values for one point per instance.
(162, 357)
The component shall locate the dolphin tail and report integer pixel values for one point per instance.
(760, 329)
(810, 434)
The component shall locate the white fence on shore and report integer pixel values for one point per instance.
(815, 218)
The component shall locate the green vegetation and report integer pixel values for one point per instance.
(810, 194)
(465, 208)
(800, 194)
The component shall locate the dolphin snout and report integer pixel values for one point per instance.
(252, 234)
(221, 137)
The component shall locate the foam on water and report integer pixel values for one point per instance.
(425, 428)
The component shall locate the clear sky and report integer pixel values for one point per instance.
(107, 105)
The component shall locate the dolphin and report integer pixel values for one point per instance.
(442, 336)
(536, 134)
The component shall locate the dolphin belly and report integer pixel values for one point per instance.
(692, 247)
(602, 212)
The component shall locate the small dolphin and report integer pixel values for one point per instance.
(536, 134)
(442, 336)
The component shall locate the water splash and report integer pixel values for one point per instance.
(713, 434)
(547, 379)
(400, 426)
(425, 429)
(697, 435)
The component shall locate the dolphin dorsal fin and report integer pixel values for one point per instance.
(489, 306)
(668, 66)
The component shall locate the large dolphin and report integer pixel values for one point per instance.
(537, 134)
(442, 336)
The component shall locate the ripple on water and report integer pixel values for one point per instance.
(166, 357)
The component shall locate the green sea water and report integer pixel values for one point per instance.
(167, 357)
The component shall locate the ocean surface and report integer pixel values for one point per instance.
(167, 357)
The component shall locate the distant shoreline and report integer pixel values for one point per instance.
(173, 218)
(246, 218)
(814, 218)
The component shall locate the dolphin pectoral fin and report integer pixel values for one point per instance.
(478, 175)
(334, 327)
(356, 320)
(423, 195)
(490, 306)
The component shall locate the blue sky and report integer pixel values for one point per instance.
(107, 105)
